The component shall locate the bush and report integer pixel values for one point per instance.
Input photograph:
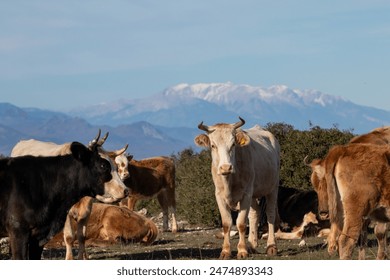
(195, 188)
(296, 145)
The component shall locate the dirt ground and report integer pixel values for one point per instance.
(193, 243)
(196, 243)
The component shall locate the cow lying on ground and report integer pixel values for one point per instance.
(107, 225)
(294, 206)
(115, 187)
(150, 177)
(245, 167)
(307, 228)
(358, 186)
(378, 136)
(37, 192)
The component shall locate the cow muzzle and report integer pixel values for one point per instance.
(324, 215)
(124, 175)
(107, 198)
(225, 169)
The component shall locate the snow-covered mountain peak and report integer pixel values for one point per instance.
(229, 93)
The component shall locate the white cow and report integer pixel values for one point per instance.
(245, 167)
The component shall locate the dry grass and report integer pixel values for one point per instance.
(202, 244)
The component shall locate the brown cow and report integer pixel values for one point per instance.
(378, 136)
(358, 186)
(150, 177)
(245, 167)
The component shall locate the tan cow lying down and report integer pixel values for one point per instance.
(357, 181)
(107, 225)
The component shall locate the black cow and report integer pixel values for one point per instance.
(37, 192)
(293, 204)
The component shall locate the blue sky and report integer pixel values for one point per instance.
(64, 54)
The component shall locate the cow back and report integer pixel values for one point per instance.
(39, 148)
(378, 136)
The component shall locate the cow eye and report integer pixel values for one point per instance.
(213, 146)
(104, 166)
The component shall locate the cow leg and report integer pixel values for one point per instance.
(380, 231)
(162, 199)
(227, 222)
(34, 249)
(174, 221)
(69, 237)
(363, 240)
(166, 199)
(350, 235)
(271, 211)
(253, 217)
(19, 245)
(172, 205)
(333, 237)
(241, 226)
(81, 235)
(131, 201)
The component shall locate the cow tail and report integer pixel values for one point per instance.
(333, 194)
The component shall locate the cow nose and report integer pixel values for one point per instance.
(324, 215)
(125, 176)
(226, 169)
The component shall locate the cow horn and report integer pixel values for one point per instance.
(239, 123)
(204, 127)
(120, 151)
(305, 160)
(95, 140)
(102, 140)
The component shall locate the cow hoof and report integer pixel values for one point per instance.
(332, 250)
(224, 256)
(272, 250)
(242, 255)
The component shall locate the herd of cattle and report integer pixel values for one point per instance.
(51, 192)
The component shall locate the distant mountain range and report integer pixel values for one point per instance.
(186, 105)
(167, 122)
(143, 138)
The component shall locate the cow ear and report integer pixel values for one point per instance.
(80, 152)
(242, 138)
(202, 140)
